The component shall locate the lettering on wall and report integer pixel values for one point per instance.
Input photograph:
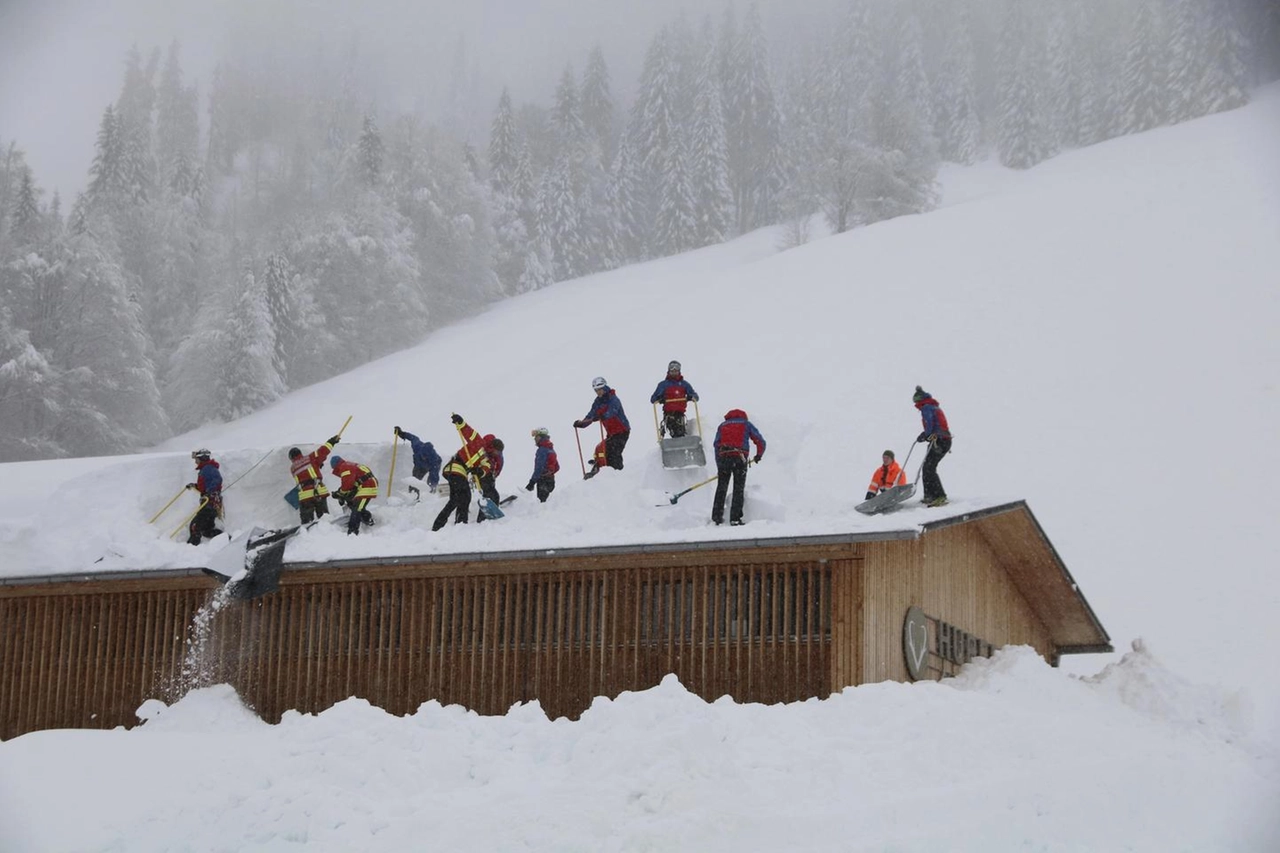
(934, 649)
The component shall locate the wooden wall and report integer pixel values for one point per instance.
(952, 574)
(88, 657)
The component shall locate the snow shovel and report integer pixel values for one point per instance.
(678, 495)
(166, 506)
(894, 496)
(581, 459)
(488, 505)
(395, 444)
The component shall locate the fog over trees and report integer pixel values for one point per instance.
(278, 223)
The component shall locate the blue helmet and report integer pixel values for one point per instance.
(335, 461)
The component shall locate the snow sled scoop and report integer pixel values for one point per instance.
(260, 563)
(291, 497)
(683, 452)
(887, 499)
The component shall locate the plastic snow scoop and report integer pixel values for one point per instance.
(488, 505)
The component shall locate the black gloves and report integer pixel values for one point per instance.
(477, 471)
(529, 488)
(924, 436)
(190, 486)
(759, 456)
(581, 424)
(335, 439)
(456, 418)
(397, 431)
(869, 496)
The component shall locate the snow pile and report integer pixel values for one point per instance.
(1011, 754)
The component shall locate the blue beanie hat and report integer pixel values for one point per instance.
(335, 461)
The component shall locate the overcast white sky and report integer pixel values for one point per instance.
(61, 60)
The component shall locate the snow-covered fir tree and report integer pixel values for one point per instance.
(249, 378)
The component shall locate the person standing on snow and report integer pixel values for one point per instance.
(888, 475)
(731, 461)
(209, 484)
(426, 462)
(938, 434)
(358, 486)
(607, 409)
(545, 465)
(313, 495)
(674, 393)
(493, 448)
(469, 460)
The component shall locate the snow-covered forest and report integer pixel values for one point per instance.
(276, 224)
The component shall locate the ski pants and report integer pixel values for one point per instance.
(609, 451)
(203, 525)
(490, 491)
(735, 466)
(674, 422)
(313, 508)
(545, 485)
(938, 448)
(459, 501)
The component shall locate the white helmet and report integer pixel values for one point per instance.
(202, 453)
(673, 367)
(540, 432)
(598, 383)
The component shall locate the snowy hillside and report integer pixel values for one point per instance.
(1101, 333)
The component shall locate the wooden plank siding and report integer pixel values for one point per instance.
(761, 621)
(760, 632)
(952, 574)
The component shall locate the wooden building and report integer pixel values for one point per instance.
(765, 620)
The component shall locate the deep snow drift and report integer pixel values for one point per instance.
(1101, 333)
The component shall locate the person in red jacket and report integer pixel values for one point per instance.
(493, 448)
(209, 484)
(674, 393)
(938, 434)
(888, 475)
(356, 488)
(307, 471)
(732, 451)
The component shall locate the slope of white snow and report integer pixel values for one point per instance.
(1010, 755)
(1101, 333)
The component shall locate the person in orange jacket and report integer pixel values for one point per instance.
(887, 476)
(358, 486)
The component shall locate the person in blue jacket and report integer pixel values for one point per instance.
(545, 465)
(607, 409)
(425, 460)
(674, 393)
(209, 484)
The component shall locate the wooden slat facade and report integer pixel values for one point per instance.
(768, 623)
